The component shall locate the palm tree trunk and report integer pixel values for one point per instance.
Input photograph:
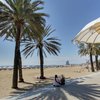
(99, 65)
(96, 60)
(41, 63)
(16, 60)
(15, 69)
(91, 60)
(20, 68)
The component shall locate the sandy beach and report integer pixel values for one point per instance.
(31, 81)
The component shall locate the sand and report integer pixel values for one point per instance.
(31, 81)
(83, 88)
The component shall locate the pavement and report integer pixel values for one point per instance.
(82, 88)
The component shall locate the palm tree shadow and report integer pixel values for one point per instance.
(83, 91)
(31, 86)
(27, 82)
(77, 89)
(47, 93)
(53, 94)
(22, 90)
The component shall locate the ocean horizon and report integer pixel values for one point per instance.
(33, 66)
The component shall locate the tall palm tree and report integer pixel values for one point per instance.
(11, 36)
(42, 42)
(86, 49)
(19, 14)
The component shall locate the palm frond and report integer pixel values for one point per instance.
(29, 49)
(11, 5)
(43, 40)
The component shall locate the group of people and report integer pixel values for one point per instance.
(58, 81)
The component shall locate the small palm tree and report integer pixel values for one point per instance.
(86, 49)
(42, 42)
(20, 14)
(96, 52)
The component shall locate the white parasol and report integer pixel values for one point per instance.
(90, 33)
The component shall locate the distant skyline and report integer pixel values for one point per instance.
(68, 17)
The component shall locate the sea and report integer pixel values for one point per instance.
(32, 66)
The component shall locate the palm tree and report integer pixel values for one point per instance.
(42, 42)
(86, 49)
(12, 37)
(96, 52)
(20, 14)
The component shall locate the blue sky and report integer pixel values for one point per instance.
(68, 17)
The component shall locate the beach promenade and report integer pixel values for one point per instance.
(82, 88)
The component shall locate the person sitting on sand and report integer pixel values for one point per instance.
(62, 80)
(56, 81)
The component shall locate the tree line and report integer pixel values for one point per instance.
(91, 50)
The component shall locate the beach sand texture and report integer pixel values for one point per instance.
(31, 81)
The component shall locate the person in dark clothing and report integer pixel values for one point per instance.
(62, 81)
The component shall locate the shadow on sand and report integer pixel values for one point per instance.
(31, 86)
(76, 89)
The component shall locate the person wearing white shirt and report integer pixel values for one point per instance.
(56, 81)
